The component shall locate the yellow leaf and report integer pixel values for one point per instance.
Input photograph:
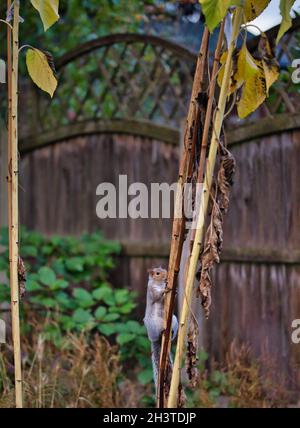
(285, 9)
(233, 83)
(40, 71)
(221, 70)
(271, 73)
(253, 93)
(243, 68)
(253, 8)
(48, 10)
(214, 11)
(269, 61)
(246, 67)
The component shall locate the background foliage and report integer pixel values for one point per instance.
(67, 284)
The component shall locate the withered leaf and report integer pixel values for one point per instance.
(21, 277)
(192, 352)
(214, 234)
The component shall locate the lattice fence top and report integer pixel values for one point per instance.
(121, 77)
(137, 77)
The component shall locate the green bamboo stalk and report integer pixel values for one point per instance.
(204, 199)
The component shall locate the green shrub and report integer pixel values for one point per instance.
(67, 283)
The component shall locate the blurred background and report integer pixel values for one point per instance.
(125, 72)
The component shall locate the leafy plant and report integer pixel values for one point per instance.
(67, 283)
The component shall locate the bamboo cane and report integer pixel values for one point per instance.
(9, 74)
(205, 192)
(13, 200)
(178, 229)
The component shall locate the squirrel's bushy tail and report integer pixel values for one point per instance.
(155, 350)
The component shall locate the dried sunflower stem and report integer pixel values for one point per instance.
(179, 220)
(205, 192)
(13, 210)
(208, 116)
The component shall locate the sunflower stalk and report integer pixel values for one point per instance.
(178, 230)
(204, 199)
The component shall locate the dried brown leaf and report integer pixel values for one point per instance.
(191, 354)
(225, 180)
(21, 277)
(214, 234)
(181, 397)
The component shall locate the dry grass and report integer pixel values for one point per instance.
(81, 374)
(242, 382)
(86, 372)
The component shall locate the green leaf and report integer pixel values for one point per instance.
(100, 292)
(48, 302)
(111, 317)
(121, 296)
(105, 294)
(123, 338)
(285, 9)
(65, 301)
(67, 322)
(107, 329)
(214, 11)
(214, 393)
(32, 286)
(4, 236)
(143, 343)
(217, 377)
(134, 326)
(48, 10)
(29, 251)
(84, 297)
(145, 376)
(203, 356)
(75, 264)
(60, 284)
(126, 309)
(47, 276)
(82, 316)
(40, 71)
(100, 313)
(47, 249)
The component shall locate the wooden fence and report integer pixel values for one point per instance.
(256, 292)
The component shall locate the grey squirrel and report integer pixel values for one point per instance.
(154, 316)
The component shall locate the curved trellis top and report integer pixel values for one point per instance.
(128, 83)
(123, 76)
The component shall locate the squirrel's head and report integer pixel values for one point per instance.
(158, 274)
